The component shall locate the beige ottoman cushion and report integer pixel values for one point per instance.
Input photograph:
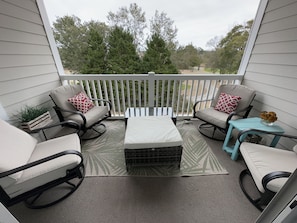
(151, 132)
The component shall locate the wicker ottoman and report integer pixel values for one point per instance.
(152, 140)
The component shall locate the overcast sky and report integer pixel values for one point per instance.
(197, 21)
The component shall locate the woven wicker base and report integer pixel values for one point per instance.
(153, 156)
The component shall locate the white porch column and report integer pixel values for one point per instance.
(3, 114)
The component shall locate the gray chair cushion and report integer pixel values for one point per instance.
(92, 116)
(262, 160)
(215, 117)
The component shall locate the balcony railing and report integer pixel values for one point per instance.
(178, 91)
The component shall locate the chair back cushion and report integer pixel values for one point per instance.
(16, 148)
(246, 94)
(61, 95)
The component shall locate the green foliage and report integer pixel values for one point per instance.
(157, 57)
(211, 59)
(70, 37)
(229, 51)
(29, 113)
(73, 40)
(186, 57)
(93, 47)
(94, 56)
(122, 57)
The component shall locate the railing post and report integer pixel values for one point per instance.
(151, 89)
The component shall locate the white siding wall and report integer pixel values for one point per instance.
(27, 67)
(272, 68)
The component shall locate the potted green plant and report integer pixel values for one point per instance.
(33, 117)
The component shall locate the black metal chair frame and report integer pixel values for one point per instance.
(83, 127)
(31, 197)
(265, 197)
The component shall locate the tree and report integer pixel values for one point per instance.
(229, 51)
(70, 36)
(82, 46)
(186, 57)
(100, 27)
(214, 42)
(73, 40)
(162, 25)
(211, 58)
(157, 57)
(232, 47)
(131, 20)
(122, 57)
(94, 55)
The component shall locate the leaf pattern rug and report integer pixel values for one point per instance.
(104, 156)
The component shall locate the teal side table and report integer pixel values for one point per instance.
(244, 124)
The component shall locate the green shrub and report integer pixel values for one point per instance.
(29, 113)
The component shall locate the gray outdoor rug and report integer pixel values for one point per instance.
(104, 156)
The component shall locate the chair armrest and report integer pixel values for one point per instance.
(197, 103)
(38, 162)
(246, 110)
(274, 175)
(103, 100)
(69, 122)
(73, 112)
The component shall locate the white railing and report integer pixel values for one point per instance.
(178, 91)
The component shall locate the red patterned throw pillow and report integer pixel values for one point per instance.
(81, 102)
(227, 103)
